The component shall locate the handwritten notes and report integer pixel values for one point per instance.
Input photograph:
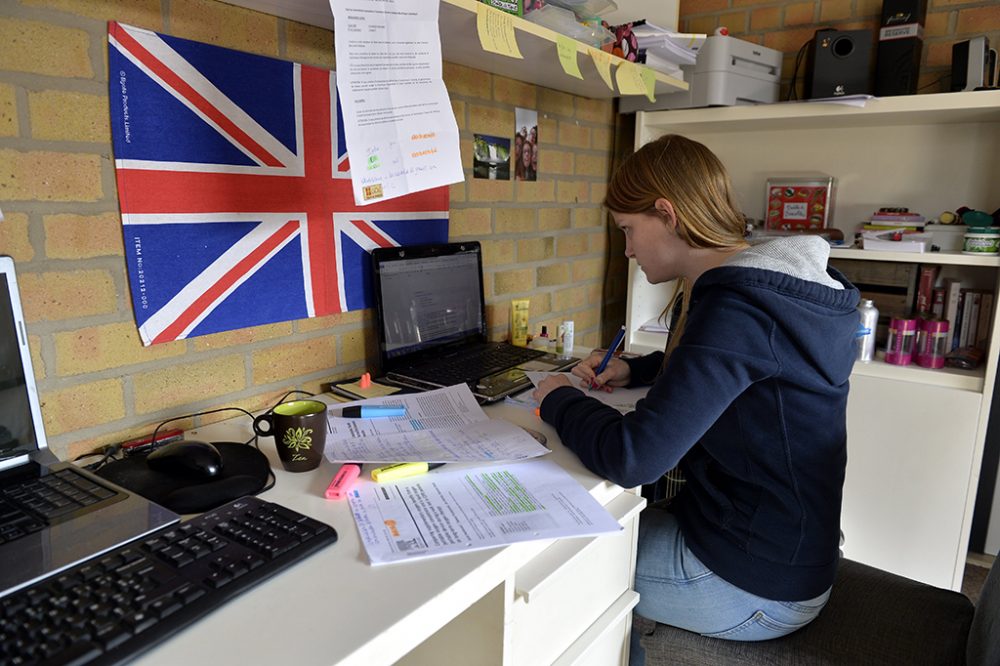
(634, 79)
(602, 61)
(566, 48)
(496, 31)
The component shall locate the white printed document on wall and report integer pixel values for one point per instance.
(399, 125)
(456, 509)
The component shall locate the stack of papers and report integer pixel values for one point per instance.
(895, 241)
(499, 497)
(680, 48)
(446, 425)
(655, 325)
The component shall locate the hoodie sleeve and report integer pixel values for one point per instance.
(721, 353)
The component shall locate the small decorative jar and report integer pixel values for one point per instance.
(982, 240)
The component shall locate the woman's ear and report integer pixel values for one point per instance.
(665, 210)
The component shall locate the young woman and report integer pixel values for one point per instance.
(749, 399)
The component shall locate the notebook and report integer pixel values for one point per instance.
(52, 514)
(431, 312)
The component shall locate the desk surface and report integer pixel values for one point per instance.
(335, 608)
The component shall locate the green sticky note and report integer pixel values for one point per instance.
(649, 81)
(566, 48)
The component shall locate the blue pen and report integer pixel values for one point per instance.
(607, 356)
(361, 412)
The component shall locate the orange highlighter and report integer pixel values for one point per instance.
(343, 481)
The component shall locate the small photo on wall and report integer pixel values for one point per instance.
(490, 157)
(525, 144)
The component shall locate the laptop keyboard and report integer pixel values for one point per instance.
(110, 609)
(472, 365)
(29, 506)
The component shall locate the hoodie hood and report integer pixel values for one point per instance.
(804, 257)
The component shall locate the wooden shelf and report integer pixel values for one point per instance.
(460, 44)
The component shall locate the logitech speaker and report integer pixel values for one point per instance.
(900, 43)
(839, 64)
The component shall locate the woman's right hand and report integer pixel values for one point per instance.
(617, 373)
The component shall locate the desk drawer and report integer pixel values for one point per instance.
(567, 587)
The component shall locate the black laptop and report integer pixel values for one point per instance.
(432, 324)
(52, 514)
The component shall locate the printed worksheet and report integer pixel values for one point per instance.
(445, 425)
(464, 508)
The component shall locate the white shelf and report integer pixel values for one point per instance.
(460, 44)
(644, 342)
(915, 436)
(943, 108)
(965, 380)
(940, 258)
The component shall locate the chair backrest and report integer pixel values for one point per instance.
(983, 648)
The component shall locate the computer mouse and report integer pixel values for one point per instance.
(187, 458)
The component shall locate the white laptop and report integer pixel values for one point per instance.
(52, 514)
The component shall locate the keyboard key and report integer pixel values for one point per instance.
(104, 610)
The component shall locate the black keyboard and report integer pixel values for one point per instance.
(473, 365)
(43, 499)
(111, 608)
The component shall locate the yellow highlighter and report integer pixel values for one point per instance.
(401, 471)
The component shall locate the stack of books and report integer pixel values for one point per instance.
(895, 230)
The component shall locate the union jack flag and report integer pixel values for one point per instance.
(235, 192)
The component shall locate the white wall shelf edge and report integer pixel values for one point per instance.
(460, 44)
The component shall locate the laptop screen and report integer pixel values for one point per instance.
(17, 432)
(429, 296)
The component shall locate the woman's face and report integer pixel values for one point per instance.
(526, 155)
(653, 243)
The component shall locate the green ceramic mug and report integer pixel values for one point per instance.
(299, 431)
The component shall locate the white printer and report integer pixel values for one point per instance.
(728, 72)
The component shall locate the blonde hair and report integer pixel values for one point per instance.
(692, 178)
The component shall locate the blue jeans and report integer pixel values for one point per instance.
(675, 588)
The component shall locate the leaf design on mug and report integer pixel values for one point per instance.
(298, 438)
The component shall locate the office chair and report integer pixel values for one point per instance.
(872, 617)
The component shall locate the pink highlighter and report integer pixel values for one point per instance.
(343, 481)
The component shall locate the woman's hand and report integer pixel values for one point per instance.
(617, 373)
(550, 384)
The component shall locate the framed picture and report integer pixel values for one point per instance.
(794, 204)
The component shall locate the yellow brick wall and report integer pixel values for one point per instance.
(786, 26)
(543, 240)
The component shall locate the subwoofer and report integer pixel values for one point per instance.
(839, 64)
(900, 42)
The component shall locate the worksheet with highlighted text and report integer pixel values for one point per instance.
(455, 509)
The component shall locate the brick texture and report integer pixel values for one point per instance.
(543, 240)
(786, 26)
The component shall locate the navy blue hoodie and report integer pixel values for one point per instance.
(752, 406)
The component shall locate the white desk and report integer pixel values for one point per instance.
(567, 601)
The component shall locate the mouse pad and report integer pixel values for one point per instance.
(244, 472)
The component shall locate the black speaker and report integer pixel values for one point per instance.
(900, 43)
(839, 64)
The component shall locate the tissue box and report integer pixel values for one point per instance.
(948, 237)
